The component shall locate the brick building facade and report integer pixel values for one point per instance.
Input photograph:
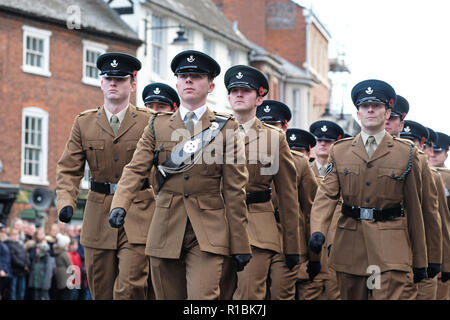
(49, 76)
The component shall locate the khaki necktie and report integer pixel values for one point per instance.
(322, 170)
(189, 122)
(115, 124)
(371, 145)
(241, 130)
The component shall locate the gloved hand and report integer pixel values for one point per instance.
(419, 274)
(313, 269)
(240, 261)
(445, 276)
(433, 269)
(66, 213)
(292, 260)
(117, 217)
(316, 242)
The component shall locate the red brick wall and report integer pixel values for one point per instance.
(62, 95)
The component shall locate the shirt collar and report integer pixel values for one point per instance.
(378, 137)
(120, 114)
(198, 112)
(247, 125)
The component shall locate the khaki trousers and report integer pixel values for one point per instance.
(393, 285)
(427, 289)
(331, 286)
(282, 280)
(194, 276)
(309, 290)
(443, 289)
(119, 274)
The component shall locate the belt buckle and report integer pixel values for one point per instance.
(112, 188)
(366, 213)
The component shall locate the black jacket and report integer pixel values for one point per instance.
(19, 258)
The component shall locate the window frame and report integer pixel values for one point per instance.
(94, 47)
(40, 34)
(42, 178)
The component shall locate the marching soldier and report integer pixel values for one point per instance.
(326, 133)
(376, 176)
(160, 97)
(437, 156)
(282, 281)
(200, 214)
(429, 196)
(268, 160)
(301, 141)
(427, 289)
(106, 138)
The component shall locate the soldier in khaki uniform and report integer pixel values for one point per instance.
(200, 214)
(376, 176)
(418, 134)
(437, 154)
(429, 201)
(268, 160)
(326, 133)
(282, 281)
(106, 138)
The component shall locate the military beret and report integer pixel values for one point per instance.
(373, 91)
(326, 130)
(273, 111)
(442, 143)
(401, 108)
(191, 61)
(118, 65)
(298, 138)
(246, 77)
(161, 92)
(414, 130)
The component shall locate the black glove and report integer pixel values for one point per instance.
(316, 242)
(66, 213)
(419, 274)
(313, 269)
(292, 260)
(240, 261)
(445, 276)
(117, 217)
(433, 269)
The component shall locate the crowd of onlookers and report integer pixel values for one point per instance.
(35, 265)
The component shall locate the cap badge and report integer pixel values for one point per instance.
(157, 91)
(407, 129)
(190, 59)
(114, 63)
(293, 137)
(369, 90)
(191, 146)
(214, 126)
(324, 128)
(267, 109)
(239, 75)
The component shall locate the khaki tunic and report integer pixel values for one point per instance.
(391, 245)
(93, 140)
(445, 218)
(262, 225)
(218, 215)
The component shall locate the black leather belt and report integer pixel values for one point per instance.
(373, 214)
(259, 196)
(110, 188)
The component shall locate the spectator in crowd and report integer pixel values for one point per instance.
(63, 263)
(41, 272)
(77, 265)
(51, 237)
(5, 263)
(18, 225)
(19, 266)
(85, 293)
(31, 248)
(29, 231)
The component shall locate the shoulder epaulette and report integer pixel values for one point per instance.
(145, 109)
(273, 127)
(224, 114)
(88, 111)
(433, 169)
(298, 153)
(442, 169)
(405, 141)
(344, 139)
